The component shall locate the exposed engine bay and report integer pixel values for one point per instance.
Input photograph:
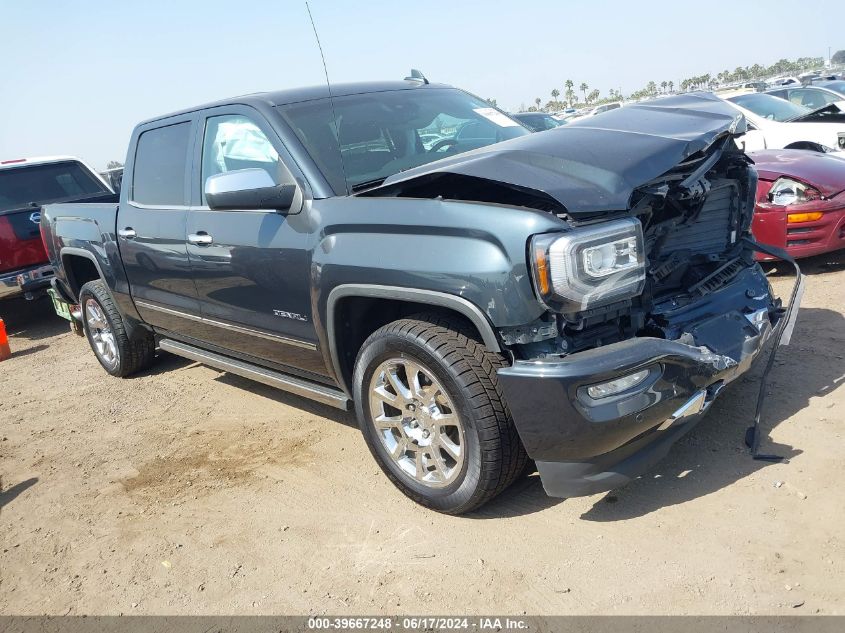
(694, 218)
(658, 200)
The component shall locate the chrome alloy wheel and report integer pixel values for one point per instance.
(416, 422)
(105, 345)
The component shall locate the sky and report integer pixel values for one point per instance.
(76, 76)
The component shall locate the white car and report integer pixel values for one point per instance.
(775, 123)
(813, 97)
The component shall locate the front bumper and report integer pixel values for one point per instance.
(802, 239)
(29, 282)
(582, 445)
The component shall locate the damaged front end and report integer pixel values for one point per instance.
(655, 273)
(624, 377)
(653, 298)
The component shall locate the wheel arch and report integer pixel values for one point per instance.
(806, 145)
(385, 304)
(80, 267)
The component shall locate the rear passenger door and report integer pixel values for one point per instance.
(151, 225)
(251, 267)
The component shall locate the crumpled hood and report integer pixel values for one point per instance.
(824, 172)
(593, 164)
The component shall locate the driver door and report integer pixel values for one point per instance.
(251, 267)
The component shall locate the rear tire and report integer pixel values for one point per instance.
(106, 333)
(469, 447)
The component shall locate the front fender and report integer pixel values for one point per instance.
(475, 253)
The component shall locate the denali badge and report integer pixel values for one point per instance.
(289, 315)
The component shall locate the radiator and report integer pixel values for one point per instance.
(714, 228)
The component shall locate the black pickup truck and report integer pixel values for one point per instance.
(576, 297)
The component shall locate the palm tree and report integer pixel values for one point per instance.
(555, 94)
(583, 88)
(671, 86)
(538, 100)
(663, 85)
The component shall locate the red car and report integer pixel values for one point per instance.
(800, 201)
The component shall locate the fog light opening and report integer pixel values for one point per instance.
(617, 385)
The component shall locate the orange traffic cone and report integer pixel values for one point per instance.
(5, 352)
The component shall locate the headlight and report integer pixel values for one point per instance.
(590, 266)
(841, 136)
(787, 191)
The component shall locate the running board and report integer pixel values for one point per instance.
(300, 387)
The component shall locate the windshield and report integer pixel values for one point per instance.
(538, 122)
(383, 133)
(770, 107)
(41, 184)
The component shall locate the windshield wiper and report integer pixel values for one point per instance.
(367, 184)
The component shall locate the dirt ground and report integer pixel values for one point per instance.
(186, 490)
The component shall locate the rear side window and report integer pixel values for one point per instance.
(161, 159)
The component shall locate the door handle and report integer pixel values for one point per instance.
(128, 233)
(200, 239)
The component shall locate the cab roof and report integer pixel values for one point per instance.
(308, 93)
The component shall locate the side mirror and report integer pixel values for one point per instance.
(247, 189)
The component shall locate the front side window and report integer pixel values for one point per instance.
(376, 135)
(232, 142)
(161, 158)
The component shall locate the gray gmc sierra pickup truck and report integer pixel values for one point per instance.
(577, 297)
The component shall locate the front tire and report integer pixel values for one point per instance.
(430, 410)
(106, 333)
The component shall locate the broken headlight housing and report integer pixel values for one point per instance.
(787, 191)
(590, 266)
